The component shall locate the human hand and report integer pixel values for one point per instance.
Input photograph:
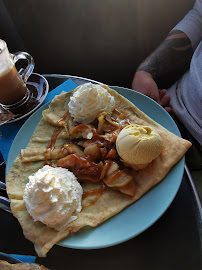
(164, 100)
(144, 83)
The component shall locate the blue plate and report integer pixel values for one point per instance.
(137, 217)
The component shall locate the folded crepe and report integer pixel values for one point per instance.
(109, 203)
(21, 266)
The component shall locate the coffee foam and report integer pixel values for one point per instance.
(6, 62)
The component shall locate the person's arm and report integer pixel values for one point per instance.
(172, 57)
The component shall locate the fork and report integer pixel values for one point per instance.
(4, 202)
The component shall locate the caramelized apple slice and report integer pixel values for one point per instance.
(118, 179)
(73, 149)
(113, 166)
(108, 168)
(129, 189)
(85, 131)
(106, 123)
(93, 151)
(82, 167)
(112, 154)
(101, 120)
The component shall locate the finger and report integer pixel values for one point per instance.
(165, 100)
(162, 93)
(155, 97)
(168, 109)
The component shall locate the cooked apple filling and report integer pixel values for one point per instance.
(91, 155)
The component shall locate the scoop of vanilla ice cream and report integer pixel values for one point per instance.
(88, 100)
(53, 196)
(138, 144)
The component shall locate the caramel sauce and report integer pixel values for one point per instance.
(83, 127)
(114, 136)
(62, 152)
(96, 192)
(112, 154)
(116, 111)
(105, 168)
(62, 118)
(100, 141)
(82, 166)
(122, 118)
(51, 145)
(49, 162)
(115, 177)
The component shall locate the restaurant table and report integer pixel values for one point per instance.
(174, 241)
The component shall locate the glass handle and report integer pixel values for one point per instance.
(30, 67)
(5, 204)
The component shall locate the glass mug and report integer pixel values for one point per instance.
(13, 90)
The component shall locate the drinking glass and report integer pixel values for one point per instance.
(13, 90)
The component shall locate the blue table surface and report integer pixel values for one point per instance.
(9, 131)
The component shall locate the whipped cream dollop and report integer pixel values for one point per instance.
(88, 100)
(53, 196)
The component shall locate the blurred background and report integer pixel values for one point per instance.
(101, 40)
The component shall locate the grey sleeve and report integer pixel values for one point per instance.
(191, 24)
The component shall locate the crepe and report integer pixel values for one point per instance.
(21, 266)
(46, 146)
